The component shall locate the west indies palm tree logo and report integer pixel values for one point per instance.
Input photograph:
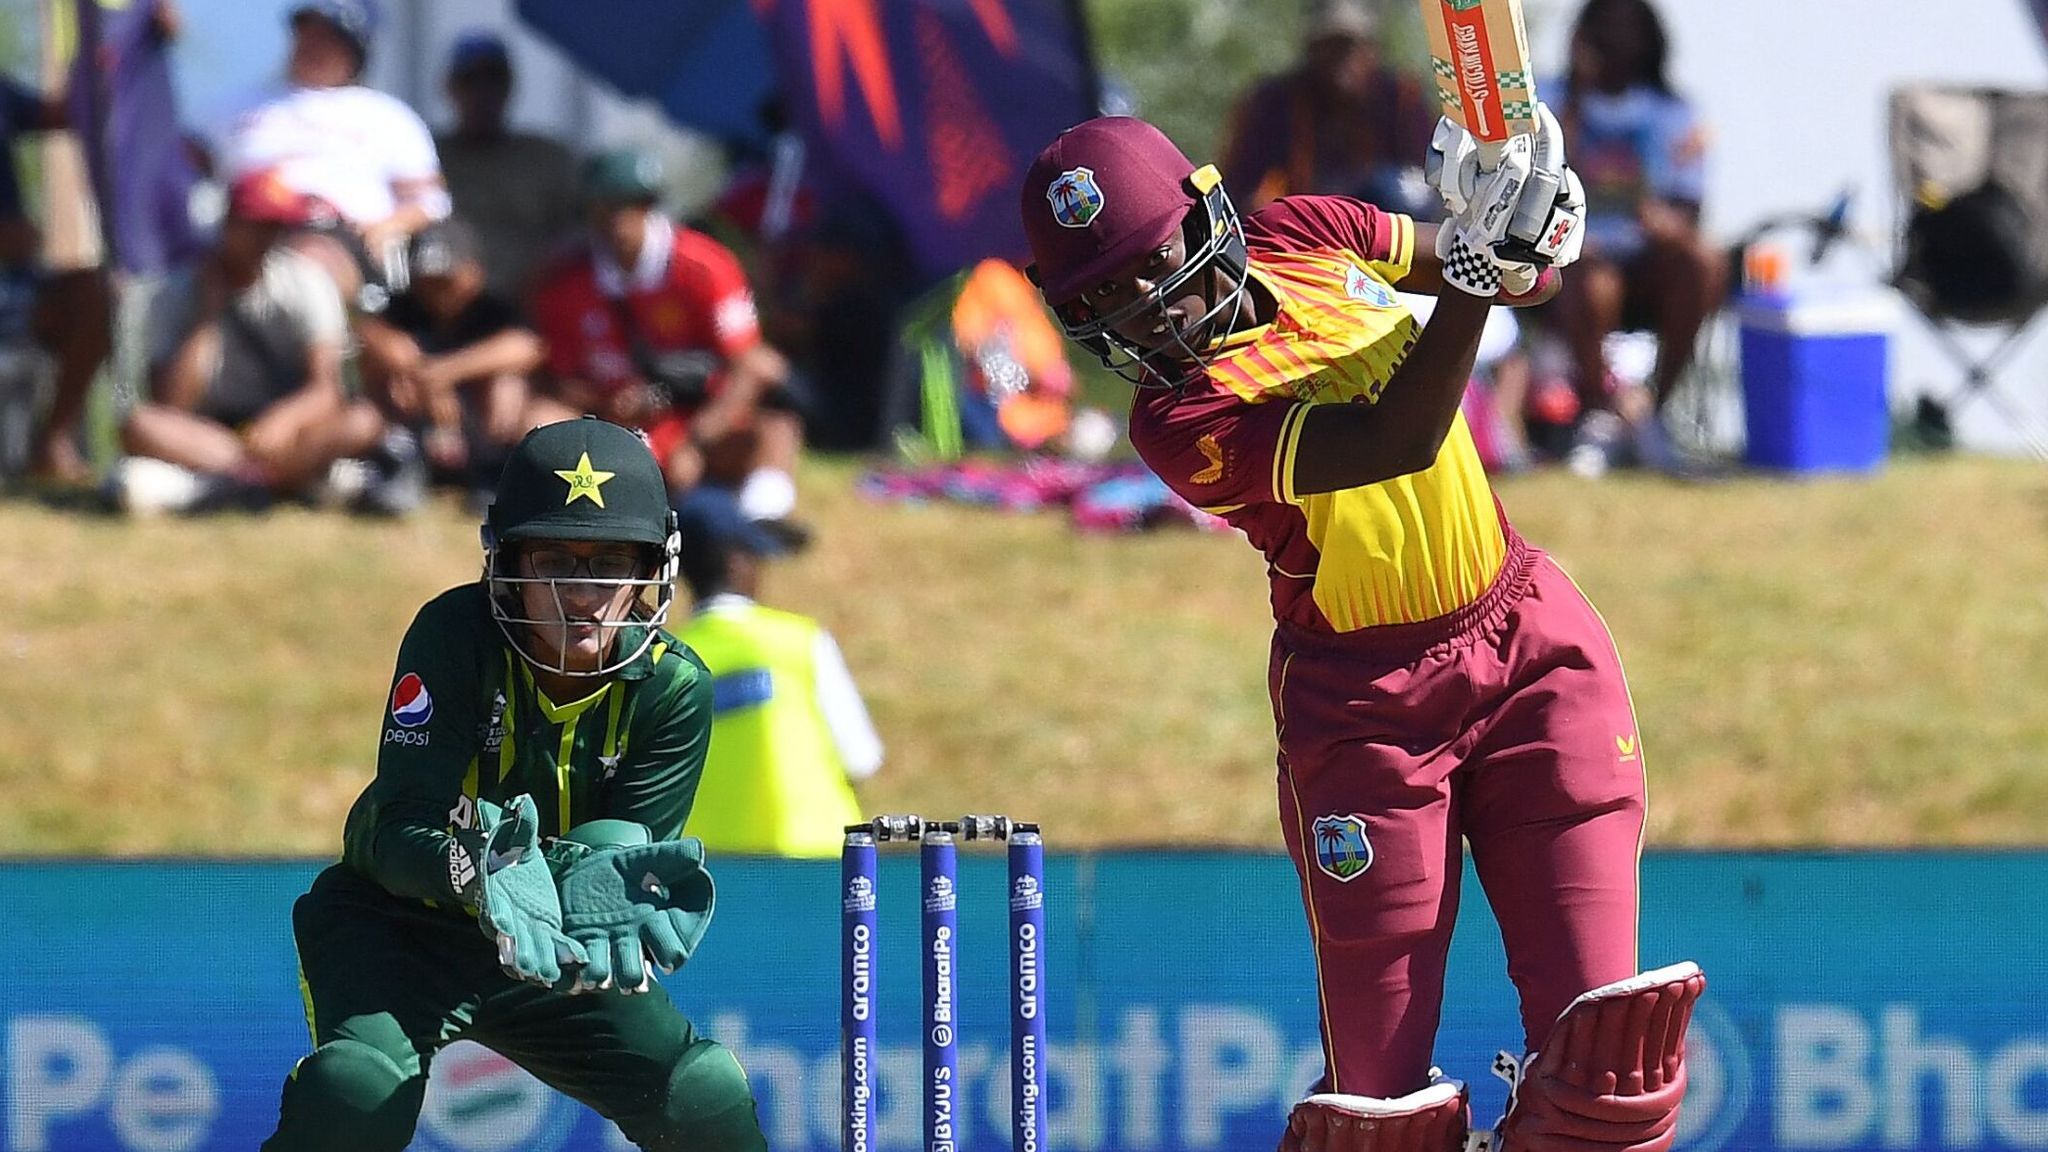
(1075, 197)
(1342, 851)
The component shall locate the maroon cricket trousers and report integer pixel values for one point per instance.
(1506, 723)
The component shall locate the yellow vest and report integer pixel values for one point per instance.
(773, 783)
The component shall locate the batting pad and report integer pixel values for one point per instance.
(1611, 1075)
(1432, 1119)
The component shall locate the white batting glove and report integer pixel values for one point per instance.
(1482, 199)
(1549, 224)
(1469, 264)
(1451, 166)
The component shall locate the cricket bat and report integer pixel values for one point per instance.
(1479, 57)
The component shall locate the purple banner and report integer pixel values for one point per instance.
(935, 107)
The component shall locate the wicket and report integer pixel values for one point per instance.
(859, 1027)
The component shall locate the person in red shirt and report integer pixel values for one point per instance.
(652, 325)
(1435, 679)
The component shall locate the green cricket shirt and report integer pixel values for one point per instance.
(465, 722)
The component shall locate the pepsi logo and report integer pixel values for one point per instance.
(411, 706)
(478, 1101)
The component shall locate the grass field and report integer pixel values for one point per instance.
(1855, 662)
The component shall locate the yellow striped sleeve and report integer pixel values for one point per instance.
(1400, 250)
(1284, 453)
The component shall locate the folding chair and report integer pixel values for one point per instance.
(1971, 168)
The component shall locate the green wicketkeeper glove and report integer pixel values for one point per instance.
(516, 904)
(627, 905)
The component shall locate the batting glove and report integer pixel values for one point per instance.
(1470, 266)
(1530, 207)
(1549, 224)
(1480, 194)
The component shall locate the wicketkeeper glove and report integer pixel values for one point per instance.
(516, 905)
(630, 905)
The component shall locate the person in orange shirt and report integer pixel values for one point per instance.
(1434, 677)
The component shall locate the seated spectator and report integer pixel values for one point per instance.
(652, 325)
(518, 189)
(361, 150)
(451, 360)
(789, 732)
(1340, 122)
(1641, 151)
(245, 384)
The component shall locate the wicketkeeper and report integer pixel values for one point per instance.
(516, 870)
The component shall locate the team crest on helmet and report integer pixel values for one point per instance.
(1342, 851)
(1075, 197)
(585, 482)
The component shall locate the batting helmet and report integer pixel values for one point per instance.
(1105, 192)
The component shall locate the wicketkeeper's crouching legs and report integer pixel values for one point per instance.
(351, 1096)
(708, 1105)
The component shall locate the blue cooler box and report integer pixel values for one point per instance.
(1814, 373)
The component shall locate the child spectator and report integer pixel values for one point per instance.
(453, 360)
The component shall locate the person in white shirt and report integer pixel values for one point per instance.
(790, 735)
(363, 151)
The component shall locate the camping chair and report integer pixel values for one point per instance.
(1971, 167)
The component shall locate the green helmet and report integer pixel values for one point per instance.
(581, 480)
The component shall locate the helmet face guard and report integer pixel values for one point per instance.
(1220, 245)
(653, 595)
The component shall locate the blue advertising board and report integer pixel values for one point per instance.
(1862, 1001)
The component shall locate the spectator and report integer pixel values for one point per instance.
(1340, 122)
(831, 276)
(245, 386)
(789, 733)
(1641, 151)
(67, 313)
(517, 188)
(652, 325)
(361, 150)
(452, 359)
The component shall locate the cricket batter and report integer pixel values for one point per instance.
(544, 699)
(1433, 676)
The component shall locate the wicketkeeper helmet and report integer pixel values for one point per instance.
(585, 480)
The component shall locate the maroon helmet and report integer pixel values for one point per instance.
(1102, 194)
